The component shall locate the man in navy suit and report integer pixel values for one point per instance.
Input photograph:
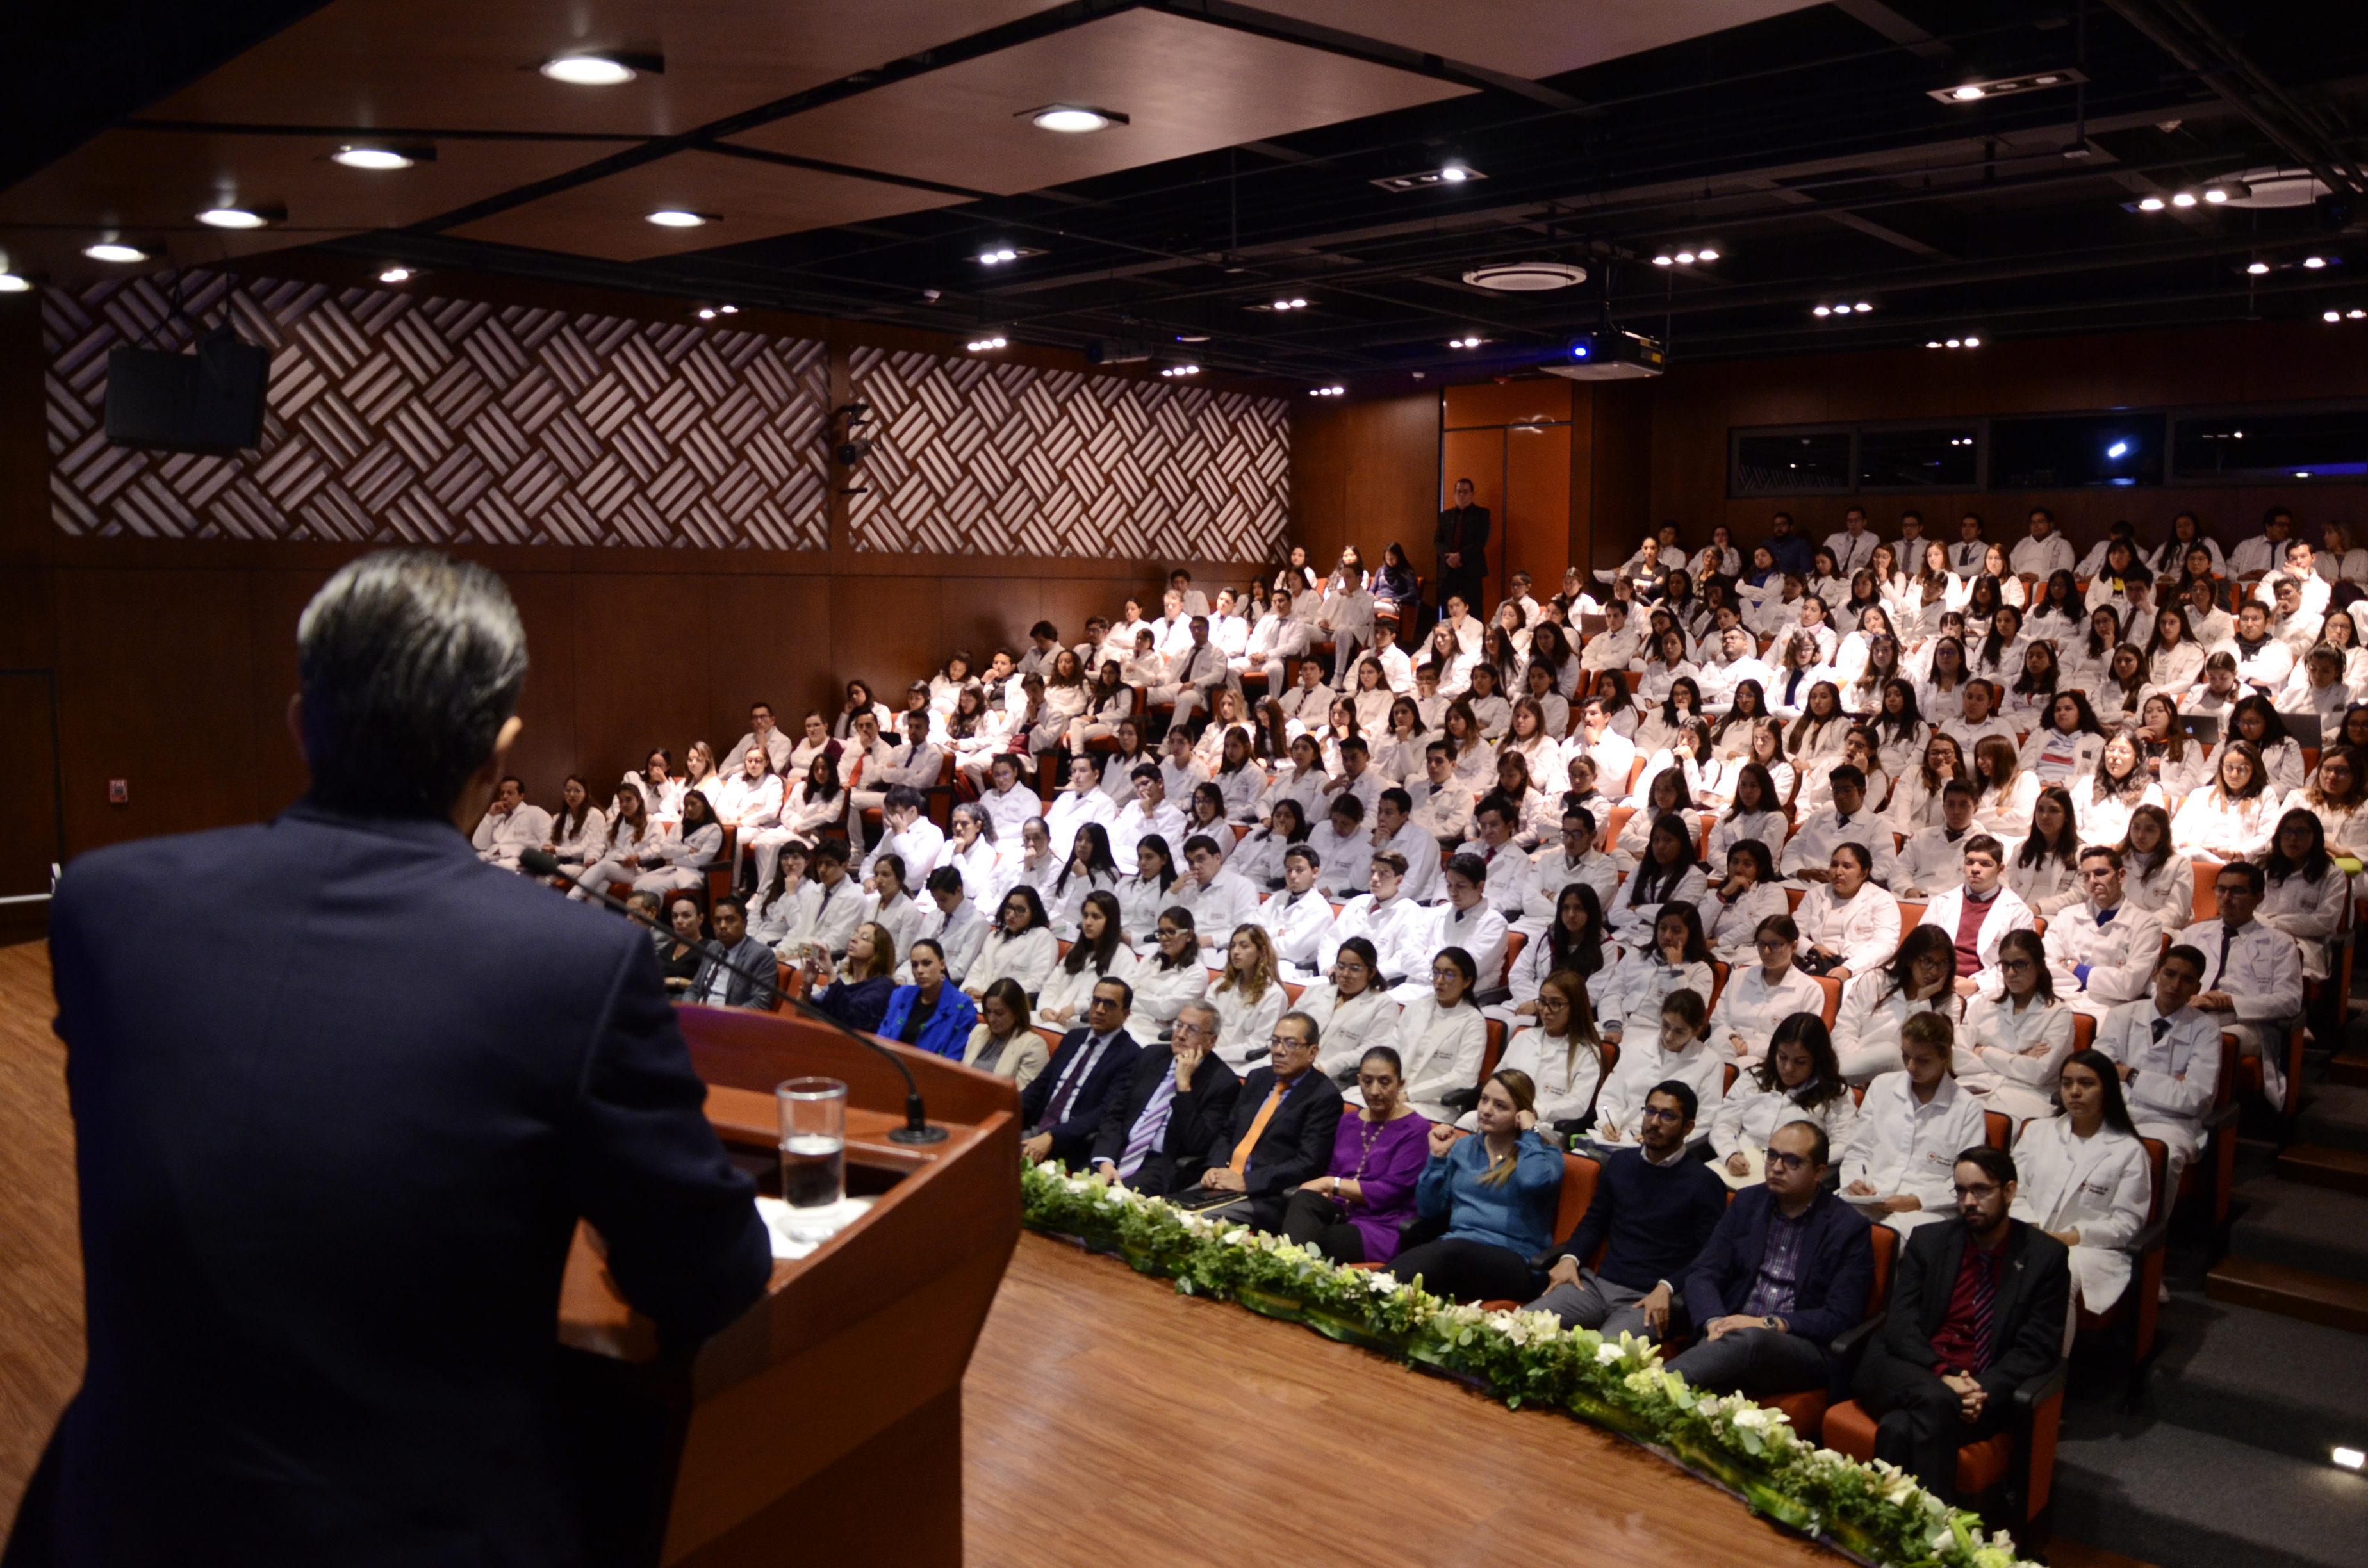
(1063, 1107)
(1786, 1272)
(341, 1091)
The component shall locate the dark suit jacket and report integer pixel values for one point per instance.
(1297, 1143)
(739, 990)
(1462, 530)
(1833, 1274)
(1194, 1125)
(1073, 1137)
(333, 1148)
(2035, 1290)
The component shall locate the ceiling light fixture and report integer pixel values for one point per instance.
(1191, 338)
(2354, 314)
(2151, 204)
(1429, 179)
(2350, 1458)
(1664, 260)
(12, 284)
(2183, 199)
(2215, 195)
(1956, 343)
(994, 257)
(1472, 341)
(1526, 277)
(1073, 119)
(677, 218)
(2258, 269)
(114, 250)
(2330, 315)
(376, 158)
(590, 70)
(1685, 258)
(981, 345)
(395, 275)
(2313, 262)
(1454, 174)
(1328, 391)
(1173, 370)
(1705, 254)
(1824, 311)
(1999, 86)
(232, 218)
(1973, 343)
(1931, 343)
(707, 313)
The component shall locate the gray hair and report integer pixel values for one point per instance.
(1202, 1007)
(410, 661)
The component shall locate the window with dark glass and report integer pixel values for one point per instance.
(2075, 451)
(1777, 464)
(1939, 458)
(2322, 444)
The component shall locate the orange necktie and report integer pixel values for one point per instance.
(1241, 1160)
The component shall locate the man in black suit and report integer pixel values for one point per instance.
(1282, 1126)
(1977, 1309)
(1159, 1131)
(1461, 544)
(1786, 1272)
(1063, 1107)
(341, 1093)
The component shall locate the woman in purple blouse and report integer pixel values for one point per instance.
(1352, 1213)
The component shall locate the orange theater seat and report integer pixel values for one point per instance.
(1806, 1410)
(1578, 1174)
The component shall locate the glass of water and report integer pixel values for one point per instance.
(813, 1140)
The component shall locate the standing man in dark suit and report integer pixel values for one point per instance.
(1977, 1309)
(1063, 1107)
(1282, 1127)
(1462, 542)
(1160, 1129)
(341, 1093)
(1786, 1272)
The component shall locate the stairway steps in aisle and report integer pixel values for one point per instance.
(2313, 1228)
(2336, 1116)
(2290, 1292)
(2315, 1164)
(2349, 1069)
(2261, 1379)
(2180, 1498)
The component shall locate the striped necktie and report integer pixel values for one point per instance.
(1986, 1273)
(1150, 1127)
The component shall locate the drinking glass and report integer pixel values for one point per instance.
(813, 1140)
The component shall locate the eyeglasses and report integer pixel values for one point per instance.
(1197, 1031)
(1779, 1160)
(1281, 1042)
(1448, 972)
(2013, 966)
(1771, 944)
(1661, 1113)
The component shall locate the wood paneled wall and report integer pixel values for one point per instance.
(1693, 406)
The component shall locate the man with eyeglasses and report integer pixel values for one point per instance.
(1574, 859)
(2252, 973)
(1157, 1134)
(1653, 1211)
(1786, 1272)
(1282, 1126)
(1063, 1108)
(1977, 1311)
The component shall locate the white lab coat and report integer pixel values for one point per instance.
(1441, 1052)
(1070, 994)
(1752, 1008)
(2102, 1184)
(1026, 958)
(1865, 930)
(1898, 1147)
(1566, 1071)
(2120, 954)
(2008, 912)
(1632, 990)
(2309, 911)
(1867, 1025)
(1730, 928)
(1160, 993)
(1244, 1024)
(1400, 931)
(1751, 1115)
(2010, 1058)
(2224, 830)
(1297, 923)
(1643, 1064)
(1346, 1030)
(2178, 1076)
(2167, 890)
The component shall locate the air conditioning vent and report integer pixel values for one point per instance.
(1526, 277)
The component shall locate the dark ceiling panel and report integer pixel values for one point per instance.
(1531, 37)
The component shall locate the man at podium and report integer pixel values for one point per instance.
(341, 1091)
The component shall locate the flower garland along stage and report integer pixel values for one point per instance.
(1873, 1512)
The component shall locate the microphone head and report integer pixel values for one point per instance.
(538, 861)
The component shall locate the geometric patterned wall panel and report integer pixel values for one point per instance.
(398, 418)
(984, 459)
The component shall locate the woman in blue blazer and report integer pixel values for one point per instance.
(930, 1013)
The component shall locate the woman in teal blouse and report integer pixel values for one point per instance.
(1497, 1193)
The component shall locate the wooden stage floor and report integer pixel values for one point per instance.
(1107, 1420)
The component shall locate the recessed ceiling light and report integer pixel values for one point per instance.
(588, 71)
(1663, 260)
(1073, 119)
(993, 257)
(395, 275)
(1973, 343)
(1429, 179)
(2330, 315)
(1705, 254)
(1956, 343)
(1968, 93)
(1864, 306)
(114, 250)
(2151, 204)
(676, 218)
(1455, 173)
(2350, 1458)
(1931, 343)
(706, 313)
(232, 218)
(373, 158)
(2354, 316)
(981, 345)
(2258, 269)
(12, 284)
(1685, 258)
(1328, 391)
(2183, 199)
(1174, 370)
(1974, 92)
(2215, 195)
(1526, 277)
(1823, 311)
(2313, 262)
(1191, 338)
(727, 310)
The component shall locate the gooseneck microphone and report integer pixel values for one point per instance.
(542, 863)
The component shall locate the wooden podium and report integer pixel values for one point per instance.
(825, 1425)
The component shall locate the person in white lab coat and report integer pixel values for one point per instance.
(2156, 876)
(1675, 1049)
(1977, 914)
(2252, 977)
(1798, 1082)
(2306, 890)
(1750, 894)
(1848, 923)
(1877, 1005)
(1171, 973)
(511, 826)
(1665, 874)
(2085, 1179)
(1099, 953)
(2013, 1044)
(1900, 1162)
(1021, 945)
(1562, 1053)
(1353, 1013)
(1631, 996)
(2234, 818)
(1759, 996)
(2102, 950)
(2168, 1054)
(1298, 918)
(1443, 1039)
(1249, 998)
(1572, 940)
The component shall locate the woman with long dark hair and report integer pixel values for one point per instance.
(2012, 1046)
(2307, 890)
(2085, 1178)
(1798, 1080)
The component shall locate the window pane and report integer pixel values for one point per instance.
(1766, 464)
(1916, 459)
(2076, 450)
(2278, 446)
